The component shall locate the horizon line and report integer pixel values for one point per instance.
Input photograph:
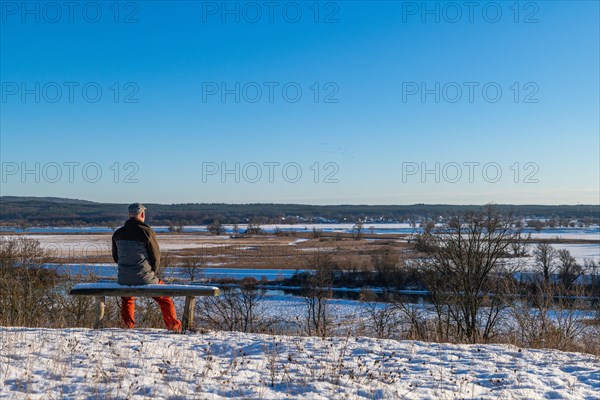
(319, 205)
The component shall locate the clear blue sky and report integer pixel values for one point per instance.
(369, 134)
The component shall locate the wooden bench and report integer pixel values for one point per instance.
(101, 290)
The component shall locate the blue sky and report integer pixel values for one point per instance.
(384, 114)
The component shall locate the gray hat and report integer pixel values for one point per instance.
(136, 208)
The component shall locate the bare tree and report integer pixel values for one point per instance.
(423, 242)
(427, 225)
(520, 245)
(413, 224)
(536, 224)
(592, 267)
(463, 272)
(357, 230)
(568, 270)
(216, 228)
(316, 289)
(253, 228)
(193, 266)
(166, 271)
(545, 260)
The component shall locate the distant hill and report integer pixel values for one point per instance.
(49, 199)
(61, 211)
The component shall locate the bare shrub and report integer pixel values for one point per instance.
(545, 260)
(382, 317)
(316, 232)
(391, 270)
(568, 271)
(66, 310)
(236, 309)
(316, 289)
(24, 282)
(415, 323)
(549, 318)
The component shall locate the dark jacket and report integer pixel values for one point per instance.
(135, 250)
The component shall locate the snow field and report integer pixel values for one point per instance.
(139, 364)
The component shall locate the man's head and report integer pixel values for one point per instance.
(137, 211)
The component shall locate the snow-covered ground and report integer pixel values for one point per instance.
(571, 234)
(118, 364)
(65, 245)
(580, 252)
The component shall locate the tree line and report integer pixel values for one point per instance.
(29, 211)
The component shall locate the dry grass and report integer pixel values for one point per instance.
(263, 251)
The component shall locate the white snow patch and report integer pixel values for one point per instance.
(140, 364)
(63, 245)
(580, 251)
(295, 242)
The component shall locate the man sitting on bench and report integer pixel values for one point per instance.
(135, 249)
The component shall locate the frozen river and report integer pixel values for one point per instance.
(109, 271)
(587, 233)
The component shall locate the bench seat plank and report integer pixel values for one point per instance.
(114, 289)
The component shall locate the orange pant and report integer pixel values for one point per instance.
(166, 307)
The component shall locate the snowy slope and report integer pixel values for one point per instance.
(81, 363)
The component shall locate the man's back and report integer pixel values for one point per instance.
(135, 249)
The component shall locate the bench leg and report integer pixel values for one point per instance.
(100, 302)
(188, 313)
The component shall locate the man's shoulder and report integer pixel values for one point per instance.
(145, 227)
(135, 230)
(118, 231)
